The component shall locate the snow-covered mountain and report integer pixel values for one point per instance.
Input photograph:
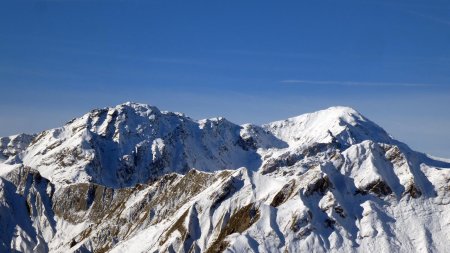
(132, 178)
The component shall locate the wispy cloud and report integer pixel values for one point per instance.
(427, 6)
(277, 54)
(356, 83)
(431, 17)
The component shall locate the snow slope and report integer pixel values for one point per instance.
(132, 178)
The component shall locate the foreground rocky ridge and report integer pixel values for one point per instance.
(135, 179)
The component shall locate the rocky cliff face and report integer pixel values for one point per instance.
(11, 148)
(135, 179)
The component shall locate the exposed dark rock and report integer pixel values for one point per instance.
(247, 143)
(240, 221)
(283, 194)
(339, 210)
(286, 159)
(320, 185)
(72, 243)
(377, 187)
(413, 191)
(226, 190)
(317, 148)
(329, 223)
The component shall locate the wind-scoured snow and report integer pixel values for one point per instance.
(132, 178)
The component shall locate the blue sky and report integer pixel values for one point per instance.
(250, 61)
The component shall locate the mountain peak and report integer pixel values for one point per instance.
(342, 111)
(137, 107)
(340, 124)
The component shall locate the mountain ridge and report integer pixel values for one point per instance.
(132, 178)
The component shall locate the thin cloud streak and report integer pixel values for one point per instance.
(430, 17)
(406, 8)
(356, 83)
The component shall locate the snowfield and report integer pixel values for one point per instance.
(132, 178)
